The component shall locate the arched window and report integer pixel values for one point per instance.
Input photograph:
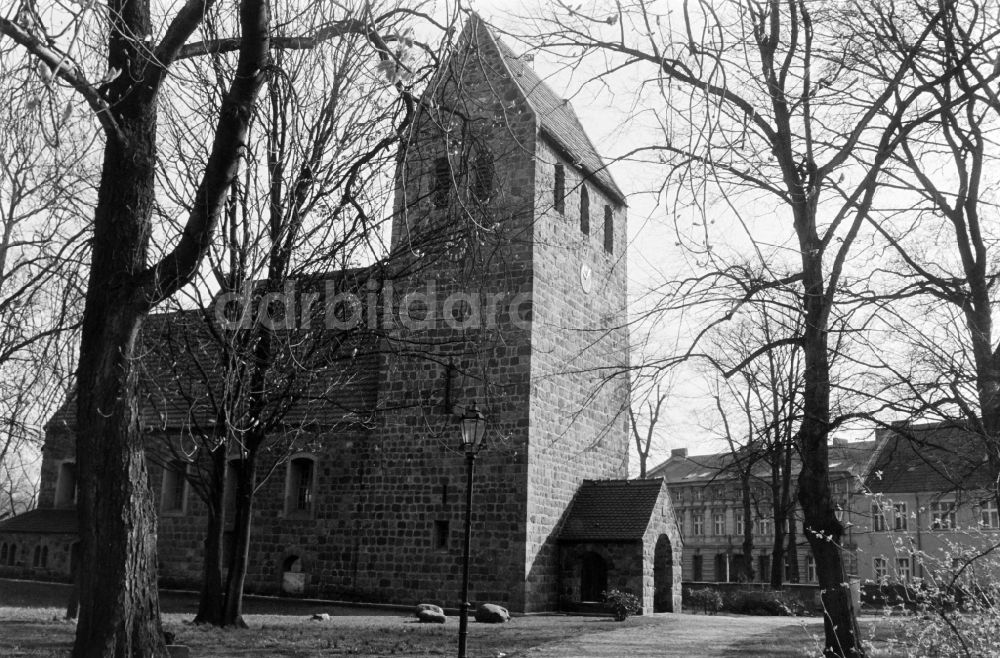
(3, 553)
(37, 561)
(173, 493)
(609, 230)
(66, 485)
(584, 210)
(45, 556)
(12, 555)
(300, 484)
(559, 189)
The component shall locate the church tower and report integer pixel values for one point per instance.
(511, 235)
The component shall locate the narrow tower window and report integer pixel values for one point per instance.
(609, 230)
(584, 210)
(560, 188)
(481, 174)
(442, 182)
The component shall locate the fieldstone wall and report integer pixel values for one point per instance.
(579, 354)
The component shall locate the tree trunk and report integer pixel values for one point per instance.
(119, 604)
(233, 612)
(779, 514)
(823, 530)
(747, 526)
(211, 604)
(792, 552)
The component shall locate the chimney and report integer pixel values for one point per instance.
(679, 452)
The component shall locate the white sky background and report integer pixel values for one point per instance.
(653, 256)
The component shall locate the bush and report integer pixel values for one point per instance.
(706, 598)
(621, 603)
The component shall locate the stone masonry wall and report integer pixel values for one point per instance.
(469, 246)
(579, 350)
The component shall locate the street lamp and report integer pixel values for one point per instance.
(473, 424)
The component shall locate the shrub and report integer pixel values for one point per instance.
(621, 603)
(706, 598)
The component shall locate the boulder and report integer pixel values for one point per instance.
(488, 613)
(321, 616)
(431, 617)
(427, 606)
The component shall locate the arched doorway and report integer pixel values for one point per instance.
(663, 575)
(593, 577)
(293, 580)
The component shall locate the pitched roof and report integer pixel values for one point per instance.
(42, 521)
(933, 457)
(183, 374)
(617, 510)
(556, 118)
(845, 457)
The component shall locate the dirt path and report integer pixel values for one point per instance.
(691, 636)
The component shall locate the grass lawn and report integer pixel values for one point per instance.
(31, 624)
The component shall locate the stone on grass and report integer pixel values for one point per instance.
(321, 616)
(430, 617)
(489, 613)
(427, 606)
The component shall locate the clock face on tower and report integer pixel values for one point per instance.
(586, 278)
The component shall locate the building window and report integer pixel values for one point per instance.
(441, 535)
(66, 485)
(12, 555)
(481, 175)
(697, 568)
(903, 569)
(559, 189)
(942, 515)
(719, 522)
(609, 230)
(810, 569)
(584, 210)
(699, 493)
(988, 516)
(765, 524)
(740, 527)
(174, 489)
(41, 559)
(442, 182)
(3, 553)
(764, 567)
(698, 524)
(899, 516)
(880, 569)
(878, 517)
(300, 483)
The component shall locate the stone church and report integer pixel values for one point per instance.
(505, 286)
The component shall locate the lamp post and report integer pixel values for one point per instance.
(473, 424)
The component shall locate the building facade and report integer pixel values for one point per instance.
(707, 493)
(505, 287)
(915, 501)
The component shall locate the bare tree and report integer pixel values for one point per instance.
(643, 423)
(46, 172)
(769, 100)
(941, 287)
(765, 395)
(119, 607)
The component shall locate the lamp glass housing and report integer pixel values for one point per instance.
(473, 428)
